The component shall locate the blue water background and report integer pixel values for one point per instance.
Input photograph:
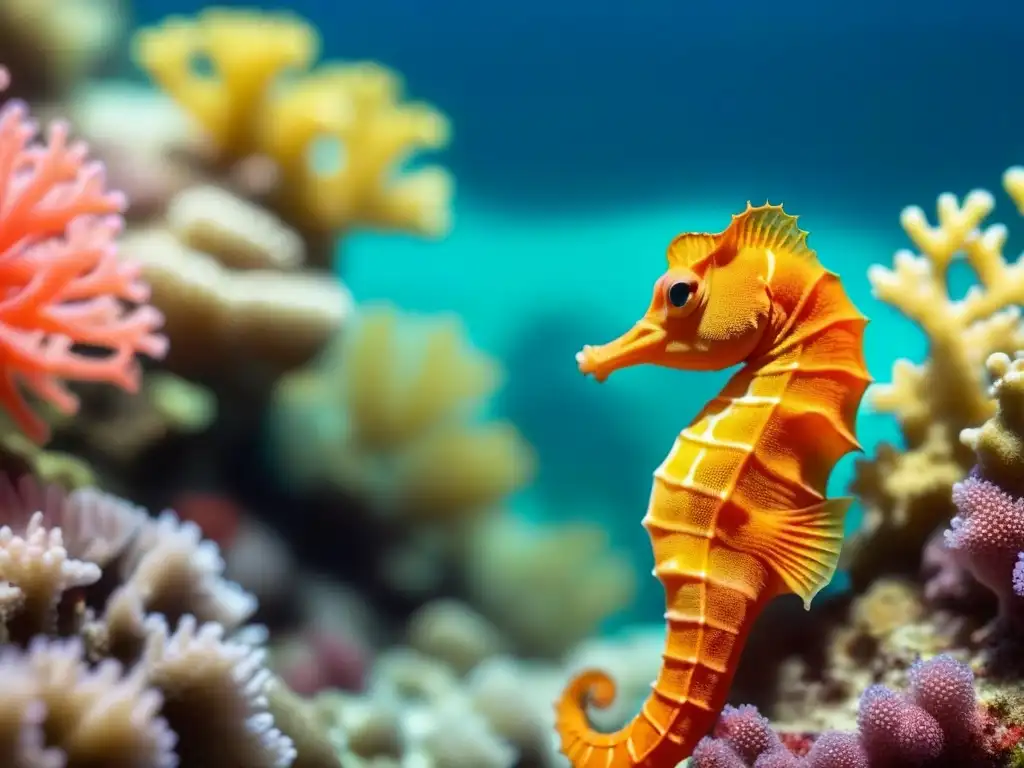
(588, 133)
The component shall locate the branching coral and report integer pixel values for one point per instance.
(937, 722)
(354, 113)
(906, 491)
(125, 689)
(62, 282)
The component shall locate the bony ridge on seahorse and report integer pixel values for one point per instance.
(737, 513)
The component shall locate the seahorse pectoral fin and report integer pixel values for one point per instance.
(803, 545)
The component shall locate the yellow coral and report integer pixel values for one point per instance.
(907, 491)
(999, 442)
(247, 51)
(547, 587)
(353, 110)
(382, 414)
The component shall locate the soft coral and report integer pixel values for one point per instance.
(62, 285)
(936, 723)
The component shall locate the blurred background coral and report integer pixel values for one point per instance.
(377, 234)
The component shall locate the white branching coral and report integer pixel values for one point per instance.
(216, 693)
(151, 676)
(57, 712)
(177, 572)
(36, 563)
(96, 527)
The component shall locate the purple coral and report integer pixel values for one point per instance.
(747, 731)
(837, 750)
(893, 727)
(944, 688)
(988, 536)
(1018, 575)
(936, 720)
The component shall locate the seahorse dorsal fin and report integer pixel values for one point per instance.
(763, 226)
(691, 247)
(768, 226)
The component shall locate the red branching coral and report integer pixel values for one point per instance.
(62, 286)
(935, 723)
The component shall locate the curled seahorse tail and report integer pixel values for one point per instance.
(585, 747)
(639, 744)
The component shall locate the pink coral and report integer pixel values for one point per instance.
(62, 285)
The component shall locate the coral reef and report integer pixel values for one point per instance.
(121, 640)
(905, 490)
(936, 722)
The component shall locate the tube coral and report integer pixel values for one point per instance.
(62, 285)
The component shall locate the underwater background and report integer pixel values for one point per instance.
(586, 135)
(356, 505)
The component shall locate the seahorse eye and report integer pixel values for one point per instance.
(679, 293)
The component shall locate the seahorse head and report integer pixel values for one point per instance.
(713, 305)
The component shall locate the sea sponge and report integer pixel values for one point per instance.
(97, 569)
(906, 490)
(383, 416)
(245, 109)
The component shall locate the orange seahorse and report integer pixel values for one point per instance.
(738, 513)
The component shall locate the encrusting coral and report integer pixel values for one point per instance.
(224, 273)
(905, 491)
(331, 137)
(123, 644)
